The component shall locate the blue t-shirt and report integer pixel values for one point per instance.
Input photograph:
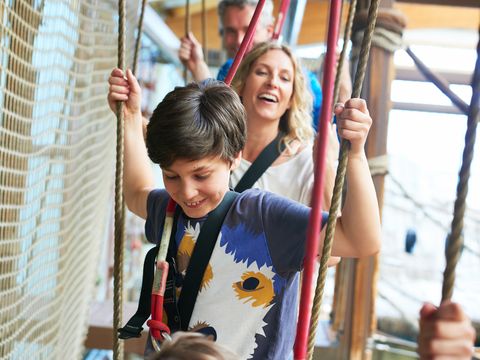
(248, 296)
(311, 79)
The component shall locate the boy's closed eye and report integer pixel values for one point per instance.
(201, 177)
(169, 175)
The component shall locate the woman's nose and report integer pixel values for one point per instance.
(273, 80)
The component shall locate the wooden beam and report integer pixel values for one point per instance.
(195, 8)
(314, 25)
(412, 74)
(458, 3)
(422, 16)
(445, 109)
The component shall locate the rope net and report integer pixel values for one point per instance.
(57, 157)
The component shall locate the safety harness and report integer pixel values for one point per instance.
(158, 291)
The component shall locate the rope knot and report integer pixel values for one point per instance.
(388, 30)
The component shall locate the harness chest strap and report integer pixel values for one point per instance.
(160, 292)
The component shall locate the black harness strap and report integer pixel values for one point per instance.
(266, 158)
(201, 257)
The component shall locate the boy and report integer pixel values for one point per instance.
(247, 300)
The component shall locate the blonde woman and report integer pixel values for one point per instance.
(272, 87)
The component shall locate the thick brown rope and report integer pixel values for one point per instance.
(339, 179)
(187, 30)
(204, 32)
(119, 201)
(346, 38)
(138, 42)
(455, 239)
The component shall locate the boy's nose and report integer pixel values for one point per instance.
(188, 192)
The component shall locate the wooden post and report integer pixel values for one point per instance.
(376, 91)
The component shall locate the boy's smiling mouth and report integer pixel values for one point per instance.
(194, 204)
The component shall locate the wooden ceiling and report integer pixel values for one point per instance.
(426, 14)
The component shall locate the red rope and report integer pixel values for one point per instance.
(314, 225)
(156, 325)
(246, 43)
(282, 15)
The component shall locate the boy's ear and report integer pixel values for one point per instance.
(236, 161)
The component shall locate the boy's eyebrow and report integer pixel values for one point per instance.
(197, 169)
(201, 168)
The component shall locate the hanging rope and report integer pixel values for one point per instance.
(282, 15)
(340, 177)
(187, 31)
(336, 91)
(138, 42)
(204, 31)
(118, 252)
(314, 224)
(346, 39)
(246, 42)
(455, 239)
(325, 256)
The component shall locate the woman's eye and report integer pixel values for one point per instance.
(171, 177)
(261, 72)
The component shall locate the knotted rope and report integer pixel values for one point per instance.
(388, 31)
(340, 177)
(455, 240)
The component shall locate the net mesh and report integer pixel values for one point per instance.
(57, 156)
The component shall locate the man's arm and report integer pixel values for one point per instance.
(138, 178)
(191, 55)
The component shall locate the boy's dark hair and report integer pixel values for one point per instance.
(192, 346)
(197, 121)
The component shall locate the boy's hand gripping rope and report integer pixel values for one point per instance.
(158, 329)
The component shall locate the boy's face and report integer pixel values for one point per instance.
(198, 186)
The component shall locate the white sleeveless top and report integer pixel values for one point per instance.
(292, 179)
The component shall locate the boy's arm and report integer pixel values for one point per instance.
(358, 229)
(138, 178)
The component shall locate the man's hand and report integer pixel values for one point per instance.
(191, 55)
(445, 332)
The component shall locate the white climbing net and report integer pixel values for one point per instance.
(57, 158)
